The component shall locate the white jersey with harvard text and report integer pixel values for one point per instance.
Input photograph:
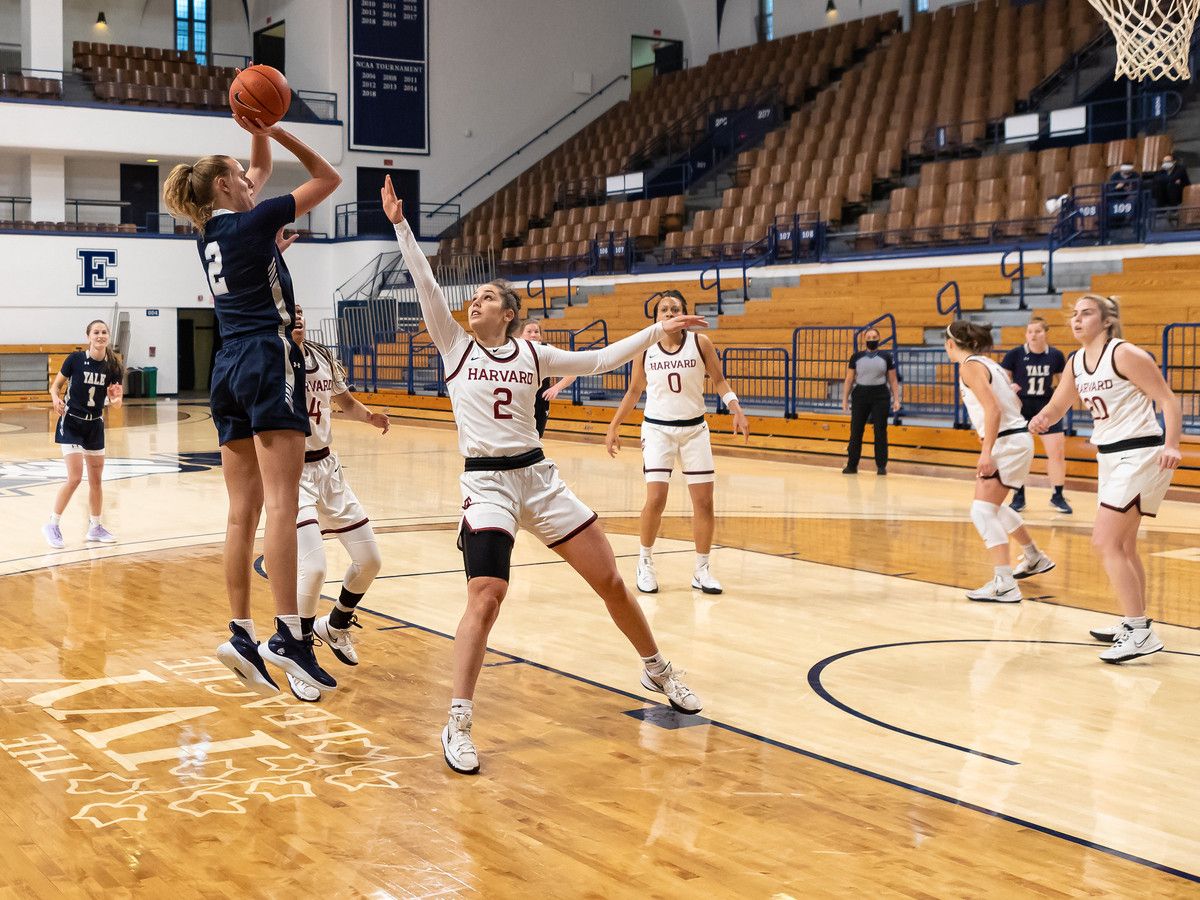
(322, 380)
(1120, 411)
(1010, 405)
(493, 394)
(675, 381)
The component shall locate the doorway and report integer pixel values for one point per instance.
(650, 56)
(371, 219)
(269, 45)
(139, 190)
(197, 347)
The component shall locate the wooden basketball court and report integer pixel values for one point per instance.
(867, 730)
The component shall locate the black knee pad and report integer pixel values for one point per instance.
(487, 553)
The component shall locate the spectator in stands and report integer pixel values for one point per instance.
(1169, 182)
(1124, 179)
(1122, 194)
(870, 381)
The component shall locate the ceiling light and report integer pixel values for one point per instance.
(831, 10)
(101, 21)
(152, 160)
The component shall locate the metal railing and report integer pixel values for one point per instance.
(366, 218)
(930, 383)
(819, 357)
(1181, 369)
(760, 376)
(1017, 272)
(955, 308)
(604, 386)
(12, 203)
(545, 131)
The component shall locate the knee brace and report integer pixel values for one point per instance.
(986, 517)
(1010, 519)
(365, 561)
(310, 568)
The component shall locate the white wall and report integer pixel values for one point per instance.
(10, 21)
(14, 179)
(39, 303)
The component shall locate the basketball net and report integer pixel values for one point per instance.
(1154, 37)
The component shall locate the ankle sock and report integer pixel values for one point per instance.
(293, 625)
(459, 704)
(1058, 489)
(645, 552)
(655, 664)
(1030, 550)
(306, 624)
(1136, 621)
(55, 518)
(701, 561)
(247, 625)
(94, 520)
(1004, 573)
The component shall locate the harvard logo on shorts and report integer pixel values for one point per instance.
(467, 503)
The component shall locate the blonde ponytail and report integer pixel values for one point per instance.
(188, 191)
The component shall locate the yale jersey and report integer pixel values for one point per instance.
(1034, 373)
(251, 286)
(1010, 407)
(493, 393)
(323, 378)
(87, 386)
(1120, 412)
(675, 381)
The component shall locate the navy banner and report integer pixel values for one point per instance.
(389, 76)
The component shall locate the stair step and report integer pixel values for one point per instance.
(998, 318)
(1033, 300)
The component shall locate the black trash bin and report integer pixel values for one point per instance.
(133, 383)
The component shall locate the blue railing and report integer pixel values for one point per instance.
(366, 218)
(759, 253)
(539, 294)
(955, 308)
(760, 376)
(714, 283)
(1181, 369)
(426, 373)
(1017, 272)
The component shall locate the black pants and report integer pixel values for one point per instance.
(869, 403)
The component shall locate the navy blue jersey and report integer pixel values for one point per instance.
(87, 385)
(252, 290)
(1034, 374)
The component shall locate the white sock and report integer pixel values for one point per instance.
(701, 561)
(655, 663)
(1031, 551)
(1004, 573)
(645, 552)
(246, 625)
(94, 520)
(458, 704)
(55, 518)
(293, 624)
(1136, 621)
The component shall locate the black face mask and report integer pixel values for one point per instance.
(872, 345)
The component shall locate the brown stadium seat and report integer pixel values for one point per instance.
(955, 219)
(985, 214)
(991, 191)
(1154, 148)
(1117, 152)
(903, 199)
(897, 226)
(1020, 164)
(1189, 211)
(927, 225)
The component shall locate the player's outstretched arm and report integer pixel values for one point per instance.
(591, 362)
(434, 308)
(351, 407)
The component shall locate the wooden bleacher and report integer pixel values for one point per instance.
(55, 354)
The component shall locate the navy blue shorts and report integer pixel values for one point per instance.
(258, 385)
(86, 433)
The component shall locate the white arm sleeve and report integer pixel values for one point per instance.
(588, 362)
(434, 308)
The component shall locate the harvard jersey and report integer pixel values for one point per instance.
(493, 393)
(674, 381)
(1010, 407)
(251, 286)
(87, 384)
(323, 378)
(1120, 411)
(1034, 374)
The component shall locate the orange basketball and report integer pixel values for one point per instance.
(260, 92)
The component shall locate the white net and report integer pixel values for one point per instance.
(1154, 37)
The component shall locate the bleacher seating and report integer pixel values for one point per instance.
(16, 85)
(108, 227)
(149, 76)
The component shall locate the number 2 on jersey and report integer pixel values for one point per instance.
(212, 266)
(504, 398)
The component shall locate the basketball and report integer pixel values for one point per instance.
(260, 92)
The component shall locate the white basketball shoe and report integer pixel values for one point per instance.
(1131, 643)
(302, 690)
(670, 682)
(647, 580)
(996, 591)
(338, 639)
(457, 746)
(702, 580)
(1027, 568)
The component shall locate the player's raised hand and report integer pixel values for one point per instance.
(380, 421)
(678, 323)
(255, 126)
(284, 242)
(393, 206)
